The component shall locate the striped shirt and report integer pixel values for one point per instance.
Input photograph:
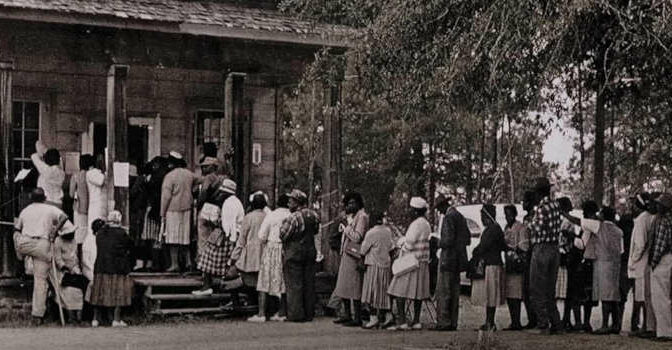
(417, 239)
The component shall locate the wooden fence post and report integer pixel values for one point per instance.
(7, 257)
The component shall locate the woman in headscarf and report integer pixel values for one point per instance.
(349, 282)
(209, 200)
(489, 291)
(112, 287)
(414, 284)
(224, 225)
(66, 260)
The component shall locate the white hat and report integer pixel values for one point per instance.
(114, 217)
(418, 203)
(175, 154)
(228, 186)
(261, 193)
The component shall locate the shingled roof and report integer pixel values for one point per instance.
(192, 17)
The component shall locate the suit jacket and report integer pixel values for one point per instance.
(298, 236)
(455, 237)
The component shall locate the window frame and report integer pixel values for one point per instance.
(23, 157)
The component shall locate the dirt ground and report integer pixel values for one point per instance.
(237, 334)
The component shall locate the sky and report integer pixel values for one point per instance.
(558, 147)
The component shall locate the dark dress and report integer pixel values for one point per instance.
(111, 284)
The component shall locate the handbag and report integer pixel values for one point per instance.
(476, 270)
(353, 249)
(73, 280)
(405, 264)
(216, 237)
(515, 262)
(210, 213)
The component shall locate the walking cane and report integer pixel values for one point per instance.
(56, 287)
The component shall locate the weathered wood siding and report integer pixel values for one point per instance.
(64, 67)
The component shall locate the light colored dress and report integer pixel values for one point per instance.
(414, 284)
(517, 237)
(95, 182)
(271, 279)
(80, 207)
(65, 257)
(176, 202)
(376, 248)
(349, 281)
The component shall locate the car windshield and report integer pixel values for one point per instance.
(474, 229)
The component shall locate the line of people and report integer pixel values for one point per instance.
(550, 255)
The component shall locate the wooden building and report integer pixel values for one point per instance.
(133, 79)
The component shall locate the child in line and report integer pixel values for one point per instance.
(376, 248)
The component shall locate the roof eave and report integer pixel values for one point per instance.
(219, 31)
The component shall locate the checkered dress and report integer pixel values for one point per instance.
(214, 257)
(561, 283)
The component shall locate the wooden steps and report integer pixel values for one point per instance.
(170, 294)
(190, 311)
(216, 296)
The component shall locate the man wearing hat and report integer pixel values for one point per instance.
(298, 244)
(454, 239)
(34, 230)
(660, 260)
(544, 235)
(638, 263)
(176, 202)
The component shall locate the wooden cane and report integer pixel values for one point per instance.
(56, 286)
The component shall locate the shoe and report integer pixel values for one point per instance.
(173, 269)
(278, 318)
(403, 327)
(95, 324)
(513, 328)
(202, 292)
(530, 326)
(119, 324)
(388, 323)
(487, 327)
(342, 320)
(615, 331)
(373, 323)
(438, 328)
(353, 323)
(602, 331)
(417, 327)
(38, 321)
(663, 339)
(646, 334)
(540, 331)
(257, 319)
(587, 328)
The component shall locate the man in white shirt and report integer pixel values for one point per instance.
(35, 228)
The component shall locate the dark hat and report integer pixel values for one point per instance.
(542, 183)
(298, 195)
(442, 200)
(642, 200)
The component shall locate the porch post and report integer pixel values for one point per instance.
(6, 171)
(117, 137)
(331, 171)
(236, 126)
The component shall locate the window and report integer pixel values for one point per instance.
(210, 128)
(26, 128)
